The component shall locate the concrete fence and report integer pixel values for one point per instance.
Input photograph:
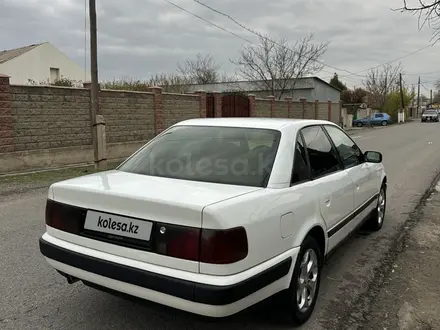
(45, 126)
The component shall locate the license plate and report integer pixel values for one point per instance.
(118, 225)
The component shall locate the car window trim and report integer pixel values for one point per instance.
(339, 156)
(309, 168)
(341, 167)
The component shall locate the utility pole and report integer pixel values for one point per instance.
(418, 98)
(100, 161)
(430, 100)
(402, 104)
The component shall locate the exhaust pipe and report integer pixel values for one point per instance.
(70, 278)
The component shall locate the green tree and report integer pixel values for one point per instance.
(335, 82)
(393, 102)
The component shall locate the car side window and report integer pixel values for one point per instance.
(300, 171)
(348, 150)
(378, 115)
(322, 156)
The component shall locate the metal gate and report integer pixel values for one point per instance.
(210, 112)
(235, 105)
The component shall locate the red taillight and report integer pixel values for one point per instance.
(64, 217)
(205, 245)
(177, 241)
(223, 246)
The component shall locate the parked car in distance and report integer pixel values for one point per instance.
(215, 215)
(380, 118)
(430, 115)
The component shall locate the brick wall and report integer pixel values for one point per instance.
(129, 116)
(6, 120)
(46, 117)
(178, 107)
(47, 126)
(281, 109)
(296, 109)
(323, 110)
(262, 108)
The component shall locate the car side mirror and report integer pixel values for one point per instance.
(373, 157)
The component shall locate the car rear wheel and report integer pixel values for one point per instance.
(384, 123)
(300, 298)
(359, 124)
(375, 222)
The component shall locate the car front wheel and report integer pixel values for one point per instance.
(359, 124)
(304, 287)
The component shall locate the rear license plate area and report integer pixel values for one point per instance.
(118, 229)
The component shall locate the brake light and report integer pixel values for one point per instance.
(205, 245)
(177, 241)
(223, 246)
(64, 217)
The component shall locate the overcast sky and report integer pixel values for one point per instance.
(137, 38)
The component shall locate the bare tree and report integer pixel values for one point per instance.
(381, 82)
(201, 70)
(275, 65)
(428, 11)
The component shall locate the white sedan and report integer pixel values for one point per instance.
(215, 215)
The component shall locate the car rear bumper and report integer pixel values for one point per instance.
(192, 296)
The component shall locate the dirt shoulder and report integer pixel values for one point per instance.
(19, 183)
(409, 299)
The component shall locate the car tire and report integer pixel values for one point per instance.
(384, 123)
(301, 302)
(359, 124)
(375, 222)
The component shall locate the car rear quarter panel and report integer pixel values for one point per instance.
(260, 214)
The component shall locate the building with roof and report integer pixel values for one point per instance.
(309, 88)
(40, 63)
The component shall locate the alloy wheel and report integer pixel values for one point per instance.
(307, 280)
(381, 203)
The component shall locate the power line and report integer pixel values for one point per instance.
(209, 22)
(260, 35)
(330, 66)
(422, 73)
(424, 87)
(431, 81)
(274, 42)
(396, 59)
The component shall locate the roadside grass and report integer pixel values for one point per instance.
(22, 182)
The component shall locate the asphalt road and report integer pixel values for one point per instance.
(34, 296)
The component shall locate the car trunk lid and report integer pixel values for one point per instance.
(124, 210)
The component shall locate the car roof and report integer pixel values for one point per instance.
(252, 122)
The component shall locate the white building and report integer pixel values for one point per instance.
(41, 63)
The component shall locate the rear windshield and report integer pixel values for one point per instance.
(430, 112)
(226, 155)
